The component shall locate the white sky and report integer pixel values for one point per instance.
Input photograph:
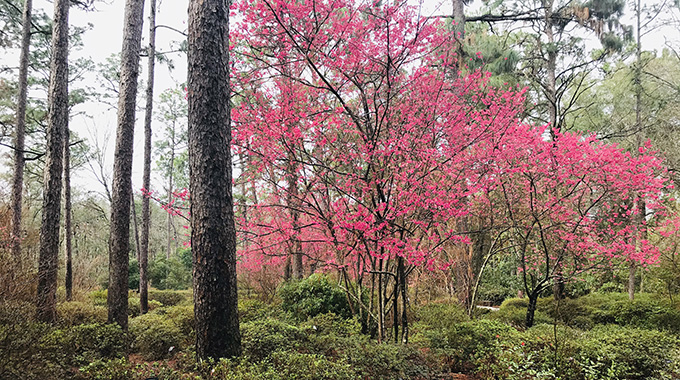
(105, 39)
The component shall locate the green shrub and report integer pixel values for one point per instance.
(168, 297)
(155, 337)
(295, 365)
(459, 346)
(251, 309)
(312, 296)
(173, 273)
(114, 369)
(331, 324)
(284, 365)
(78, 313)
(98, 297)
(440, 315)
(262, 337)
(514, 312)
(386, 361)
(23, 357)
(13, 312)
(181, 316)
(644, 313)
(81, 344)
(615, 352)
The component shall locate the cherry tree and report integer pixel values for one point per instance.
(564, 206)
(359, 140)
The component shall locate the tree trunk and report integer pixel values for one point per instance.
(18, 177)
(122, 166)
(68, 229)
(146, 211)
(531, 309)
(401, 273)
(640, 202)
(213, 234)
(551, 67)
(57, 121)
(135, 225)
(170, 185)
(631, 280)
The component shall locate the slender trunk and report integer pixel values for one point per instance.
(146, 211)
(632, 268)
(135, 224)
(458, 28)
(551, 67)
(119, 244)
(287, 269)
(213, 234)
(18, 177)
(640, 203)
(531, 309)
(57, 121)
(395, 310)
(170, 200)
(381, 303)
(401, 273)
(68, 229)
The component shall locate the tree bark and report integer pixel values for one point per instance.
(18, 177)
(119, 244)
(57, 121)
(401, 273)
(170, 185)
(146, 211)
(531, 309)
(213, 233)
(135, 225)
(640, 202)
(68, 229)
(551, 67)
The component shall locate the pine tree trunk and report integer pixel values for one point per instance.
(551, 67)
(213, 234)
(135, 225)
(68, 229)
(119, 244)
(57, 121)
(18, 177)
(170, 185)
(146, 211)
(640, 202)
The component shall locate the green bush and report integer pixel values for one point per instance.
(251, 309)
(168, 297)
(114, 369)
(155, 337)
(313, 296)
(513, 311)
(331, 324)
(81, 344)
(181, 316)
(615, 352)
(438, 315)
(295, 365)
(78, 313)
(260, 338)
(173, 273)
(386, 361)
(284, 366)
(22, 355)
(459, 346)
(98, 297)
(12, 312)
(642, 312)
